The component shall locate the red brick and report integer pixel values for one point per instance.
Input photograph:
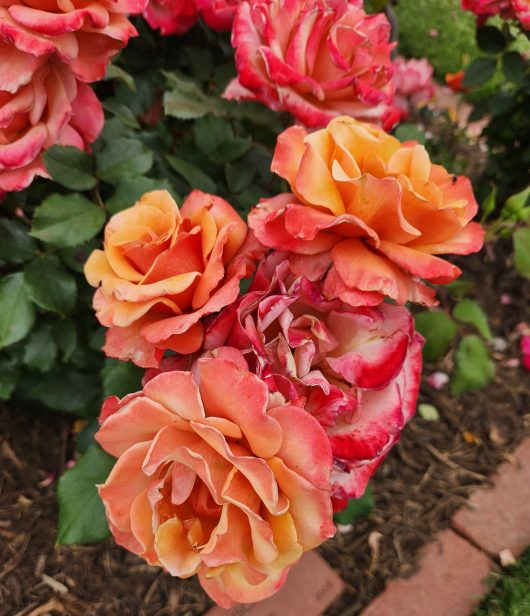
(311, 586)
(448, 583)
(498, 517)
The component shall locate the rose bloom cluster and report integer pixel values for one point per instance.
(50, 51)
(508, 9)
(263, 412)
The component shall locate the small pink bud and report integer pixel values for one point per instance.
(70, 464)
(438, 380)
(512, 363)
(506, 299)
(433, 33)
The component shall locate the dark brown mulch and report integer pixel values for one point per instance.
(426, 477)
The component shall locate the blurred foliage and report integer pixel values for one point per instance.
(438, 30)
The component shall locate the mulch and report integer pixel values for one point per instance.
(427, 476)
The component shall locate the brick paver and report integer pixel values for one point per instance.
(448, 583)
(498, 518)
(312, 585)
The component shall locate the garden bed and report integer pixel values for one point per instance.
(427, 476)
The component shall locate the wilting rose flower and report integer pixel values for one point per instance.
(218, 14)
(171, 16)
(215, 477)
(368, 213)
(355, 369)
(522, 12)
(40, 106)
(162, 270)
(83, 35)
(316, 59)
(413, 82)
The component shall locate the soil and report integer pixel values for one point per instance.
(427, 476)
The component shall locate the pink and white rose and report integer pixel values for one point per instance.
(413, 80)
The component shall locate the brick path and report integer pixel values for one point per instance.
(450, 579)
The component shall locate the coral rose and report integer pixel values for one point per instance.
(355, 369)
(413, 82)
(367, 212)
(162, 270)
(316, 59)
(171, 16)
(41, 104)
(215, 478)
(487, 8)
(218, 14)
(83, 35)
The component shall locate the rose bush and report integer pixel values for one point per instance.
(171, 16)
(84, 36)
(316, 60)
(40, 107)
(355, 369)
(162, 270)
(508, 9)
(214, 477)
(368, 212)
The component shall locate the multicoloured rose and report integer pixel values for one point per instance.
(53, 107)
(355, 369)
(316, 59)
(171, 16)
(413, 80)
(367, 213)
(216, 477)
(49, 51)
(161, 270)
(508, 9)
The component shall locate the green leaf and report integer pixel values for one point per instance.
(186, 101)
(470, 311)
(82, 516)
(490, 40)
(122, 112)
(40, 350)
(65, 337)
(239, 175)
(521, 245)
(64, 389)
(128, 191)
(17, 314)
(121, 378)
(75, 257)
(9, 376)
(115, 72)
(428, 412)
(67, 220)
(215, 138)
(192, 174)
(16, 245)
(123, 158)
(479, 72)
(71, 167)
(516, 203)
(489, 204)
(473, 366)
(460, 288)
(49, 285)
(356, 508)
(439, 331)
(514, 66)
(410, 132)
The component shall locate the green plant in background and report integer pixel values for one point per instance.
(438, 30)
(466, 327)
(511, 593)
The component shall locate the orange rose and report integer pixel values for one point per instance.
(368, 212)
(162, 270)
(215, 478)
